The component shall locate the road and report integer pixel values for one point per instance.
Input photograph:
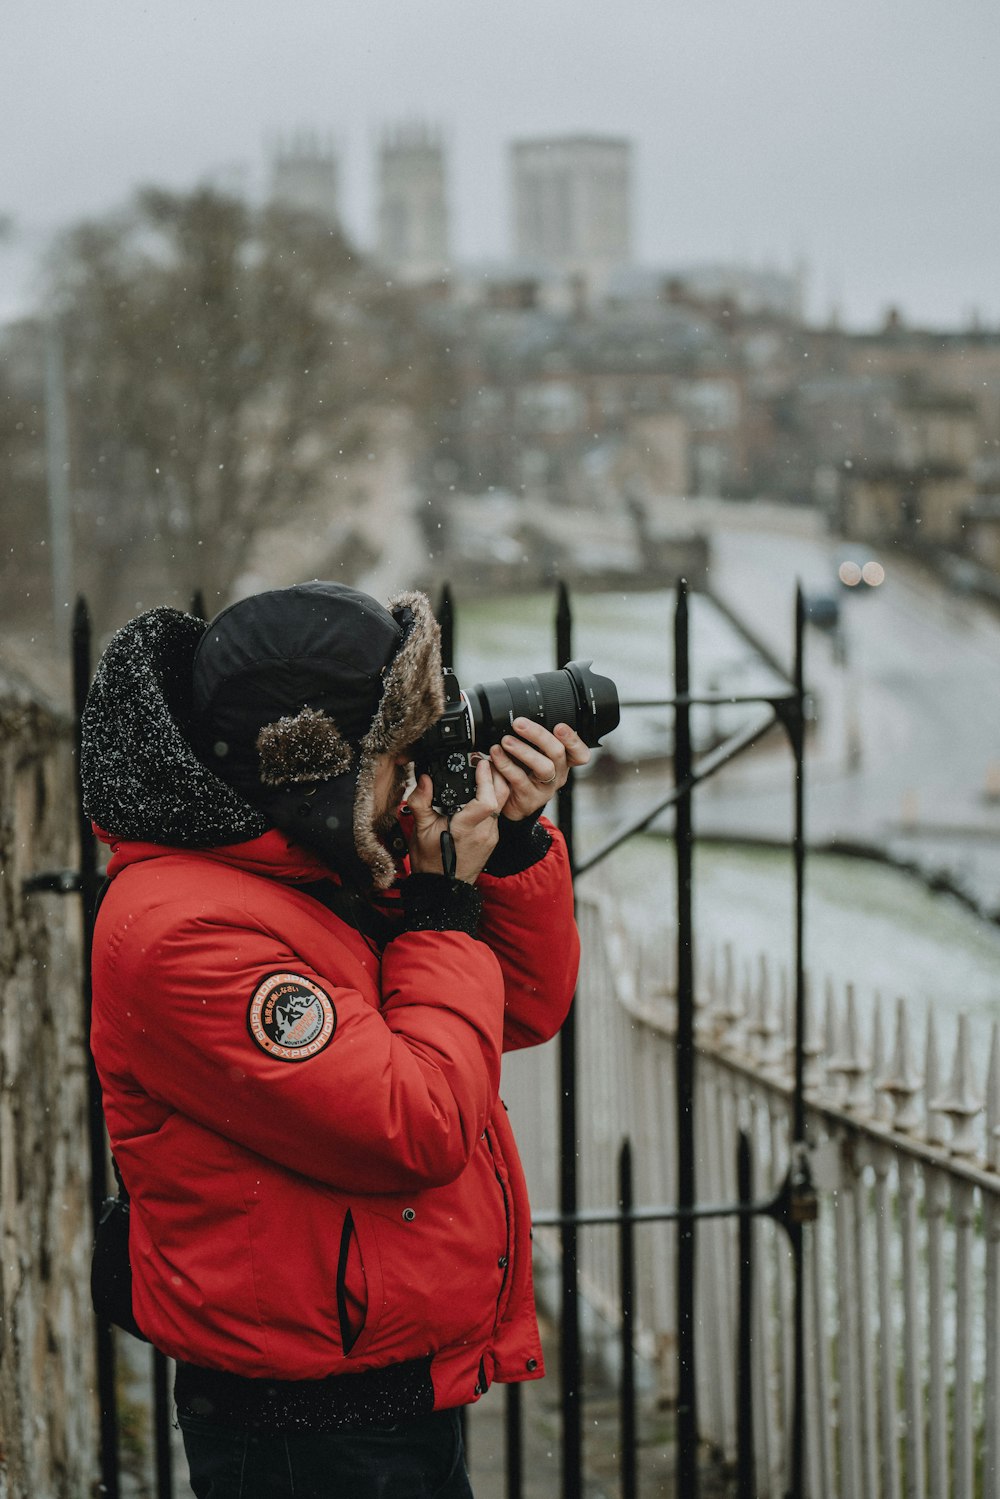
(906, 755)
(906, 748)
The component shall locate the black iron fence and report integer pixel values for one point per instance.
(793, 1206)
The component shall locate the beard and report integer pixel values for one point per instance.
(384, 821)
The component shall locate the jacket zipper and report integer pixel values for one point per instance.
(506, 1215)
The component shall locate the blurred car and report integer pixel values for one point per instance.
(857, 569)
(823, 610)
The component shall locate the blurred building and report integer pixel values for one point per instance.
(580, 409)
(571, 200)
(413, 203)
(965, 362)
(982, 532)
(922, 493)
(305, 176)
(749, 291)
(578, 378)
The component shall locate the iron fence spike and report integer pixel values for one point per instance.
(729, 1009)
(709, 974)
(831, 1039)
(934, 1125)
(855, 1064)
(993, 1100)
(902, 1080)
(960, 1101)
(812, 1038)
(883, 1104)
(750, 1015)
(785, 1006)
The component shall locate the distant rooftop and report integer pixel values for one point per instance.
(582, 139)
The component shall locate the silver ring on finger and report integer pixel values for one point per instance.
(550, 780)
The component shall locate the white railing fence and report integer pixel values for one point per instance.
(903, 1266)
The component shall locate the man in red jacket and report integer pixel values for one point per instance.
(298, 1022)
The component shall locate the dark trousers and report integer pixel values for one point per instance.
(418, 1459)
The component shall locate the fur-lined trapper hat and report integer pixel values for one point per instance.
(297, 693)
(142, 778)
(273, 715)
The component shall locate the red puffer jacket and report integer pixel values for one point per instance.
(323, 1179)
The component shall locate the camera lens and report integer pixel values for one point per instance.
(576, 695)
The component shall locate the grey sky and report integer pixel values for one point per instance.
(861, 135)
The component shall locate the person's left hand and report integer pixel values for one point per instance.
(535, 763)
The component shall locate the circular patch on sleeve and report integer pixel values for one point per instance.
(290, 1017)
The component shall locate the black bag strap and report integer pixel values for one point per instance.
(122, 1189)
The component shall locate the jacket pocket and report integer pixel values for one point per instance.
(359, 1295)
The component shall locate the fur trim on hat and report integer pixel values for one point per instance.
(412, 700)
(142, 779)
(413, 694)
(306, 747)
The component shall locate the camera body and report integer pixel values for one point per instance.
(445, 751)
(473, 721)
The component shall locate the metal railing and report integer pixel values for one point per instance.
(793, 1205)
(902, 1269)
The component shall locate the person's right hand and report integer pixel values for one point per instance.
(473, 827)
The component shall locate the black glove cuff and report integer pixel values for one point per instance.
(521, 844)
(433, 903)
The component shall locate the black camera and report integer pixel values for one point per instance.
(476, 719)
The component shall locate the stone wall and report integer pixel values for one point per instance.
(48, 1413)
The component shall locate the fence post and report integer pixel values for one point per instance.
(745, 1461)
(161, 1428)
(569, 1370)
(800, 1160)
(687, 1416)
(626, 1241)
(81, 653)
(514, 1442)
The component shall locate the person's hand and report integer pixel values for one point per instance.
(535, 763)
(473, 827)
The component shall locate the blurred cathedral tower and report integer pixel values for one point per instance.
(305, 175)
(412, 203)
(571, 202)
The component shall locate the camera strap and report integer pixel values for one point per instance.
(449, 855)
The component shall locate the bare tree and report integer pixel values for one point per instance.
(220, 361)
(25, 585)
